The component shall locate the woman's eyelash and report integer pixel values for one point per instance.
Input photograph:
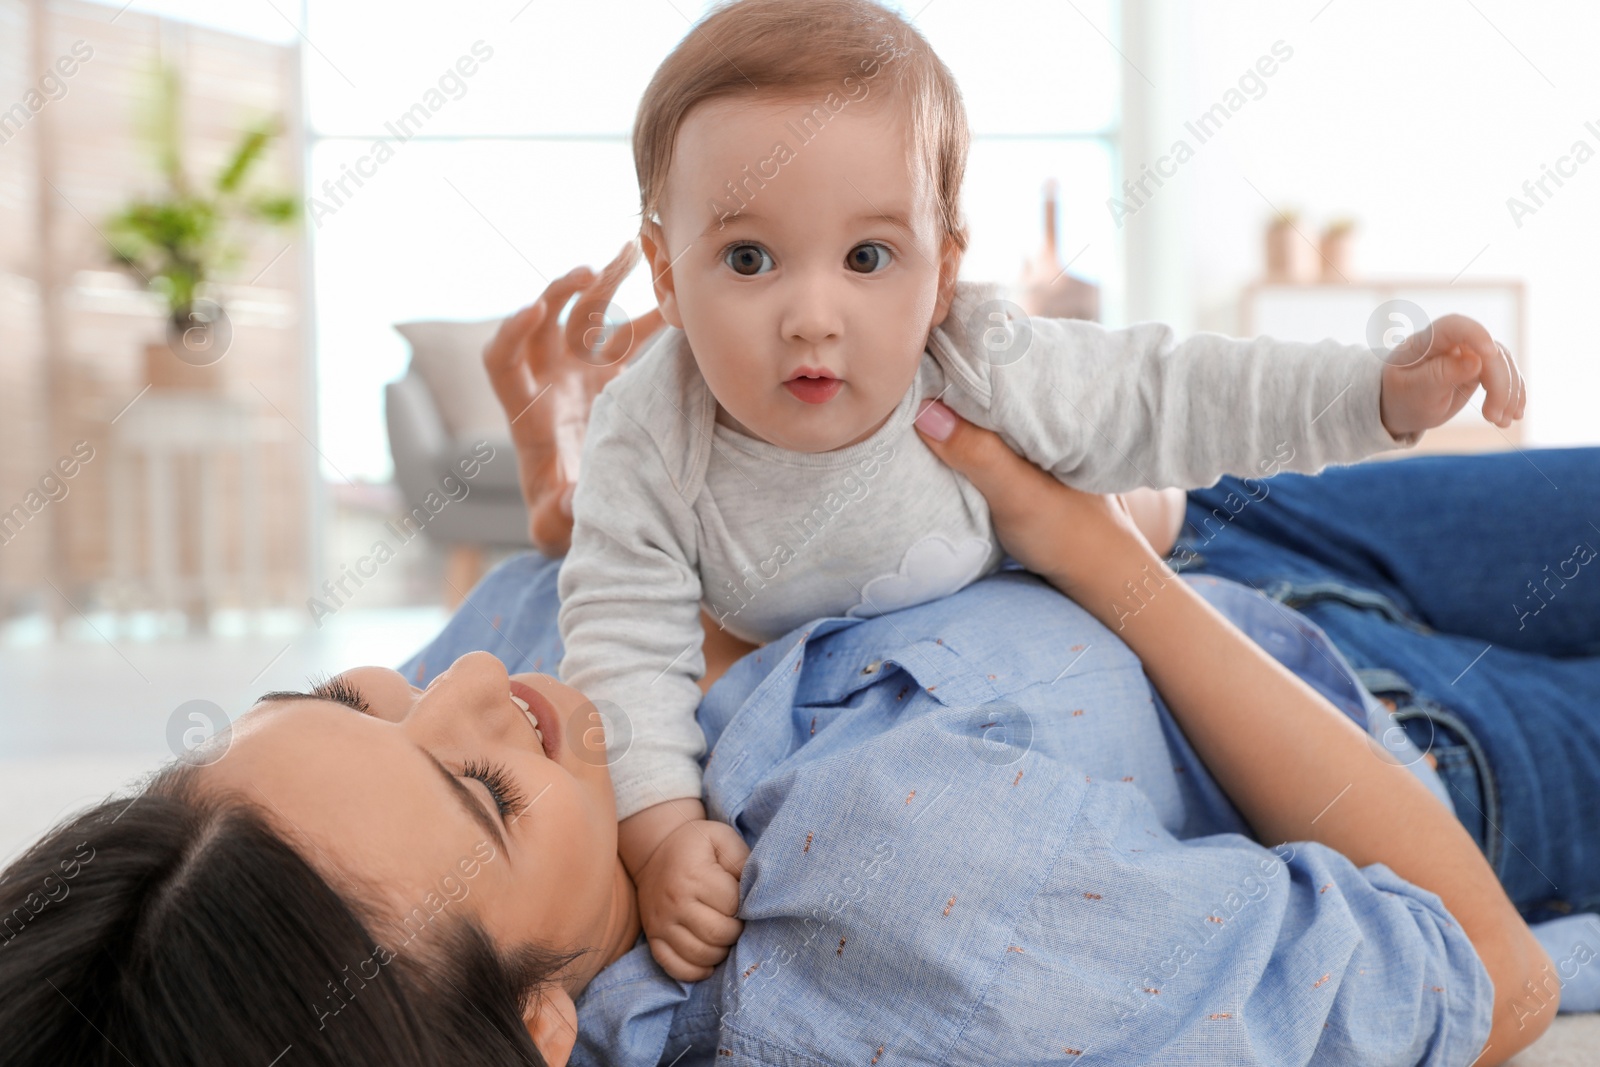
(336, 688)
(507, 798)
(494, 778)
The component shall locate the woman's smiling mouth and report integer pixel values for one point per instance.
(541, 715)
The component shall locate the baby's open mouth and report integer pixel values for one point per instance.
(813, 385)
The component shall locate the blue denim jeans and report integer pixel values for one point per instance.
(1465, 590)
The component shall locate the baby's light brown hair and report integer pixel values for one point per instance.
(792, 48)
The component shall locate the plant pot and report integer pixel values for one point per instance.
(1290, 258)
(195, 345)
(1336, 255)
(163, 370)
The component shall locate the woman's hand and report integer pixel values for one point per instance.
(1071, 538)
(546, 378)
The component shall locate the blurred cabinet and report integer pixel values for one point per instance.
(174, 456)
(1314, 311)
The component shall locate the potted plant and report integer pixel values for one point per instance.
(1290, 259)
(183, 237)
(1336, 244)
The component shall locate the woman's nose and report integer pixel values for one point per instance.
(473, 692)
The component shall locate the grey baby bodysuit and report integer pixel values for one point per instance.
(674, 510)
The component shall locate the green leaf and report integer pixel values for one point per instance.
(251, 147)
(277, 210)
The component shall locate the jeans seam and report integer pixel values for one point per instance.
(1298, 593)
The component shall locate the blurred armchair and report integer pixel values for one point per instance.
(443, 420)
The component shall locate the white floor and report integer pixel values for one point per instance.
(1571, 1041)
(84, 717)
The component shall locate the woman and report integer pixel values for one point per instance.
(323, 891)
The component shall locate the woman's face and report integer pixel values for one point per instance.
(447, 802)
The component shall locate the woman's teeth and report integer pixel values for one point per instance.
(523, 704)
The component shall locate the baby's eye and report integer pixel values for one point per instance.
(746, 259)
(863, 258)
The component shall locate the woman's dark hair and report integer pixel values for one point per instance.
(175, 927)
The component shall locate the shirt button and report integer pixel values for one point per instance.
(872, 668)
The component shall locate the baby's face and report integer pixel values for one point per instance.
(834, 265)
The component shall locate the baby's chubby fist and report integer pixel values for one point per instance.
(688, 896)
(1432, 374)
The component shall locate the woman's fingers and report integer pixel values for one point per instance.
(1047, 526)
(502, 356)
(555, 297)
(586, 326)
(1021, 497)
(628, 338)
(517, 358)
(1003, 477)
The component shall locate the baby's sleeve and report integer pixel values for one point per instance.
(1111, 410)
(630, 612)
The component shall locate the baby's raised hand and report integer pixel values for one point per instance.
(688, 896)
(1432, 374)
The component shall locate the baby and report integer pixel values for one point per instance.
(800, 169)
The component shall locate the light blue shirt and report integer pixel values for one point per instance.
(978, 836)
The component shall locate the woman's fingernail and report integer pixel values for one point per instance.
(936, 420)
(566, 500)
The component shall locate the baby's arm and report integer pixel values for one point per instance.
(631, 628)
(1111, 410)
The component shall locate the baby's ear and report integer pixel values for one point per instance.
(654, 244)
(552, 1022)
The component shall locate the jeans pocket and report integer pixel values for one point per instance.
(1458, 758)
(1458, 770)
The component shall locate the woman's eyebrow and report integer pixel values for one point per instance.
(478, 813)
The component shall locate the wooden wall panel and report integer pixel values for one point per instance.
(95, 159)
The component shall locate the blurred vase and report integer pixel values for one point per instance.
(1338, 240)
(1291, 259)
(163, 370)
(196, 342)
